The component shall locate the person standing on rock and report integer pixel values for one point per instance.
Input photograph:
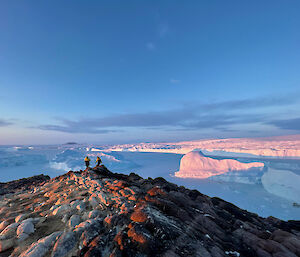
(98, 161)
(87, 161)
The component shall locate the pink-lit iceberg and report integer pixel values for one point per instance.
(196, 165)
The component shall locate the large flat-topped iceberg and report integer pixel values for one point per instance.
(276, 147)
(196, 165)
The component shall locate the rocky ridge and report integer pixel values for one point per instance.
(99, 213)
(24, 184)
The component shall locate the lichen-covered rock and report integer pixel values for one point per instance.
(81, 206)
(65, 244)
(3, 225)
(6, 244)
(100, 213)
(61, 210)
(93, 214)
(74, 220)
(24, 230)
(20, 217)
(24, 183)
(9, 231)
(42, 246)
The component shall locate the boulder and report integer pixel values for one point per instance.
(3, 225)
(65, 244)
(25, 229)
(42, 246)
(74, 221)
(61, 210)
(93, 214)
(20, 217)
(9, 231)
(6, 244)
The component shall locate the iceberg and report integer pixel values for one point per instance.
(196, 165)
(282, 183)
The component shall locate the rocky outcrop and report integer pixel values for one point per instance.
(99, 213)
(24, 183)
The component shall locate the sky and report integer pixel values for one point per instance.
(132, 71)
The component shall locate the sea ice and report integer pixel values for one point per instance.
(282, 183)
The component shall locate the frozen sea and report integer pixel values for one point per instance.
(19, 162)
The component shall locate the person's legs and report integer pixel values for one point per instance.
(98, 163)
(87, 164)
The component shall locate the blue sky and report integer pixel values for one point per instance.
(130, 71)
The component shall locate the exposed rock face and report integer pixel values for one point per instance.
(99, 213)
(24, 183)
(196, 165)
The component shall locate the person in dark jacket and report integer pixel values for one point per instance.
(98, 161)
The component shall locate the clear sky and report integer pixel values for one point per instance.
(131, 71)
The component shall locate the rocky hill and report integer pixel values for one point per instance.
(24, 184)
(99, 213)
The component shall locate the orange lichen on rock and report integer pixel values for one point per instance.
(119, 240)
(132, 198)
(130, 225)
(156, 191)
(120, 183)
(130, 190)
(116, 194)
(136, 236)
(116, 185)
(123, 209)
(139, 216)
(108, 220)
(95, 241)
(124, 193)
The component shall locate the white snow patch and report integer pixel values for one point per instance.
(235, 253)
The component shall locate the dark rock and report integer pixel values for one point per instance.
(23, 184)
(65, 243)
